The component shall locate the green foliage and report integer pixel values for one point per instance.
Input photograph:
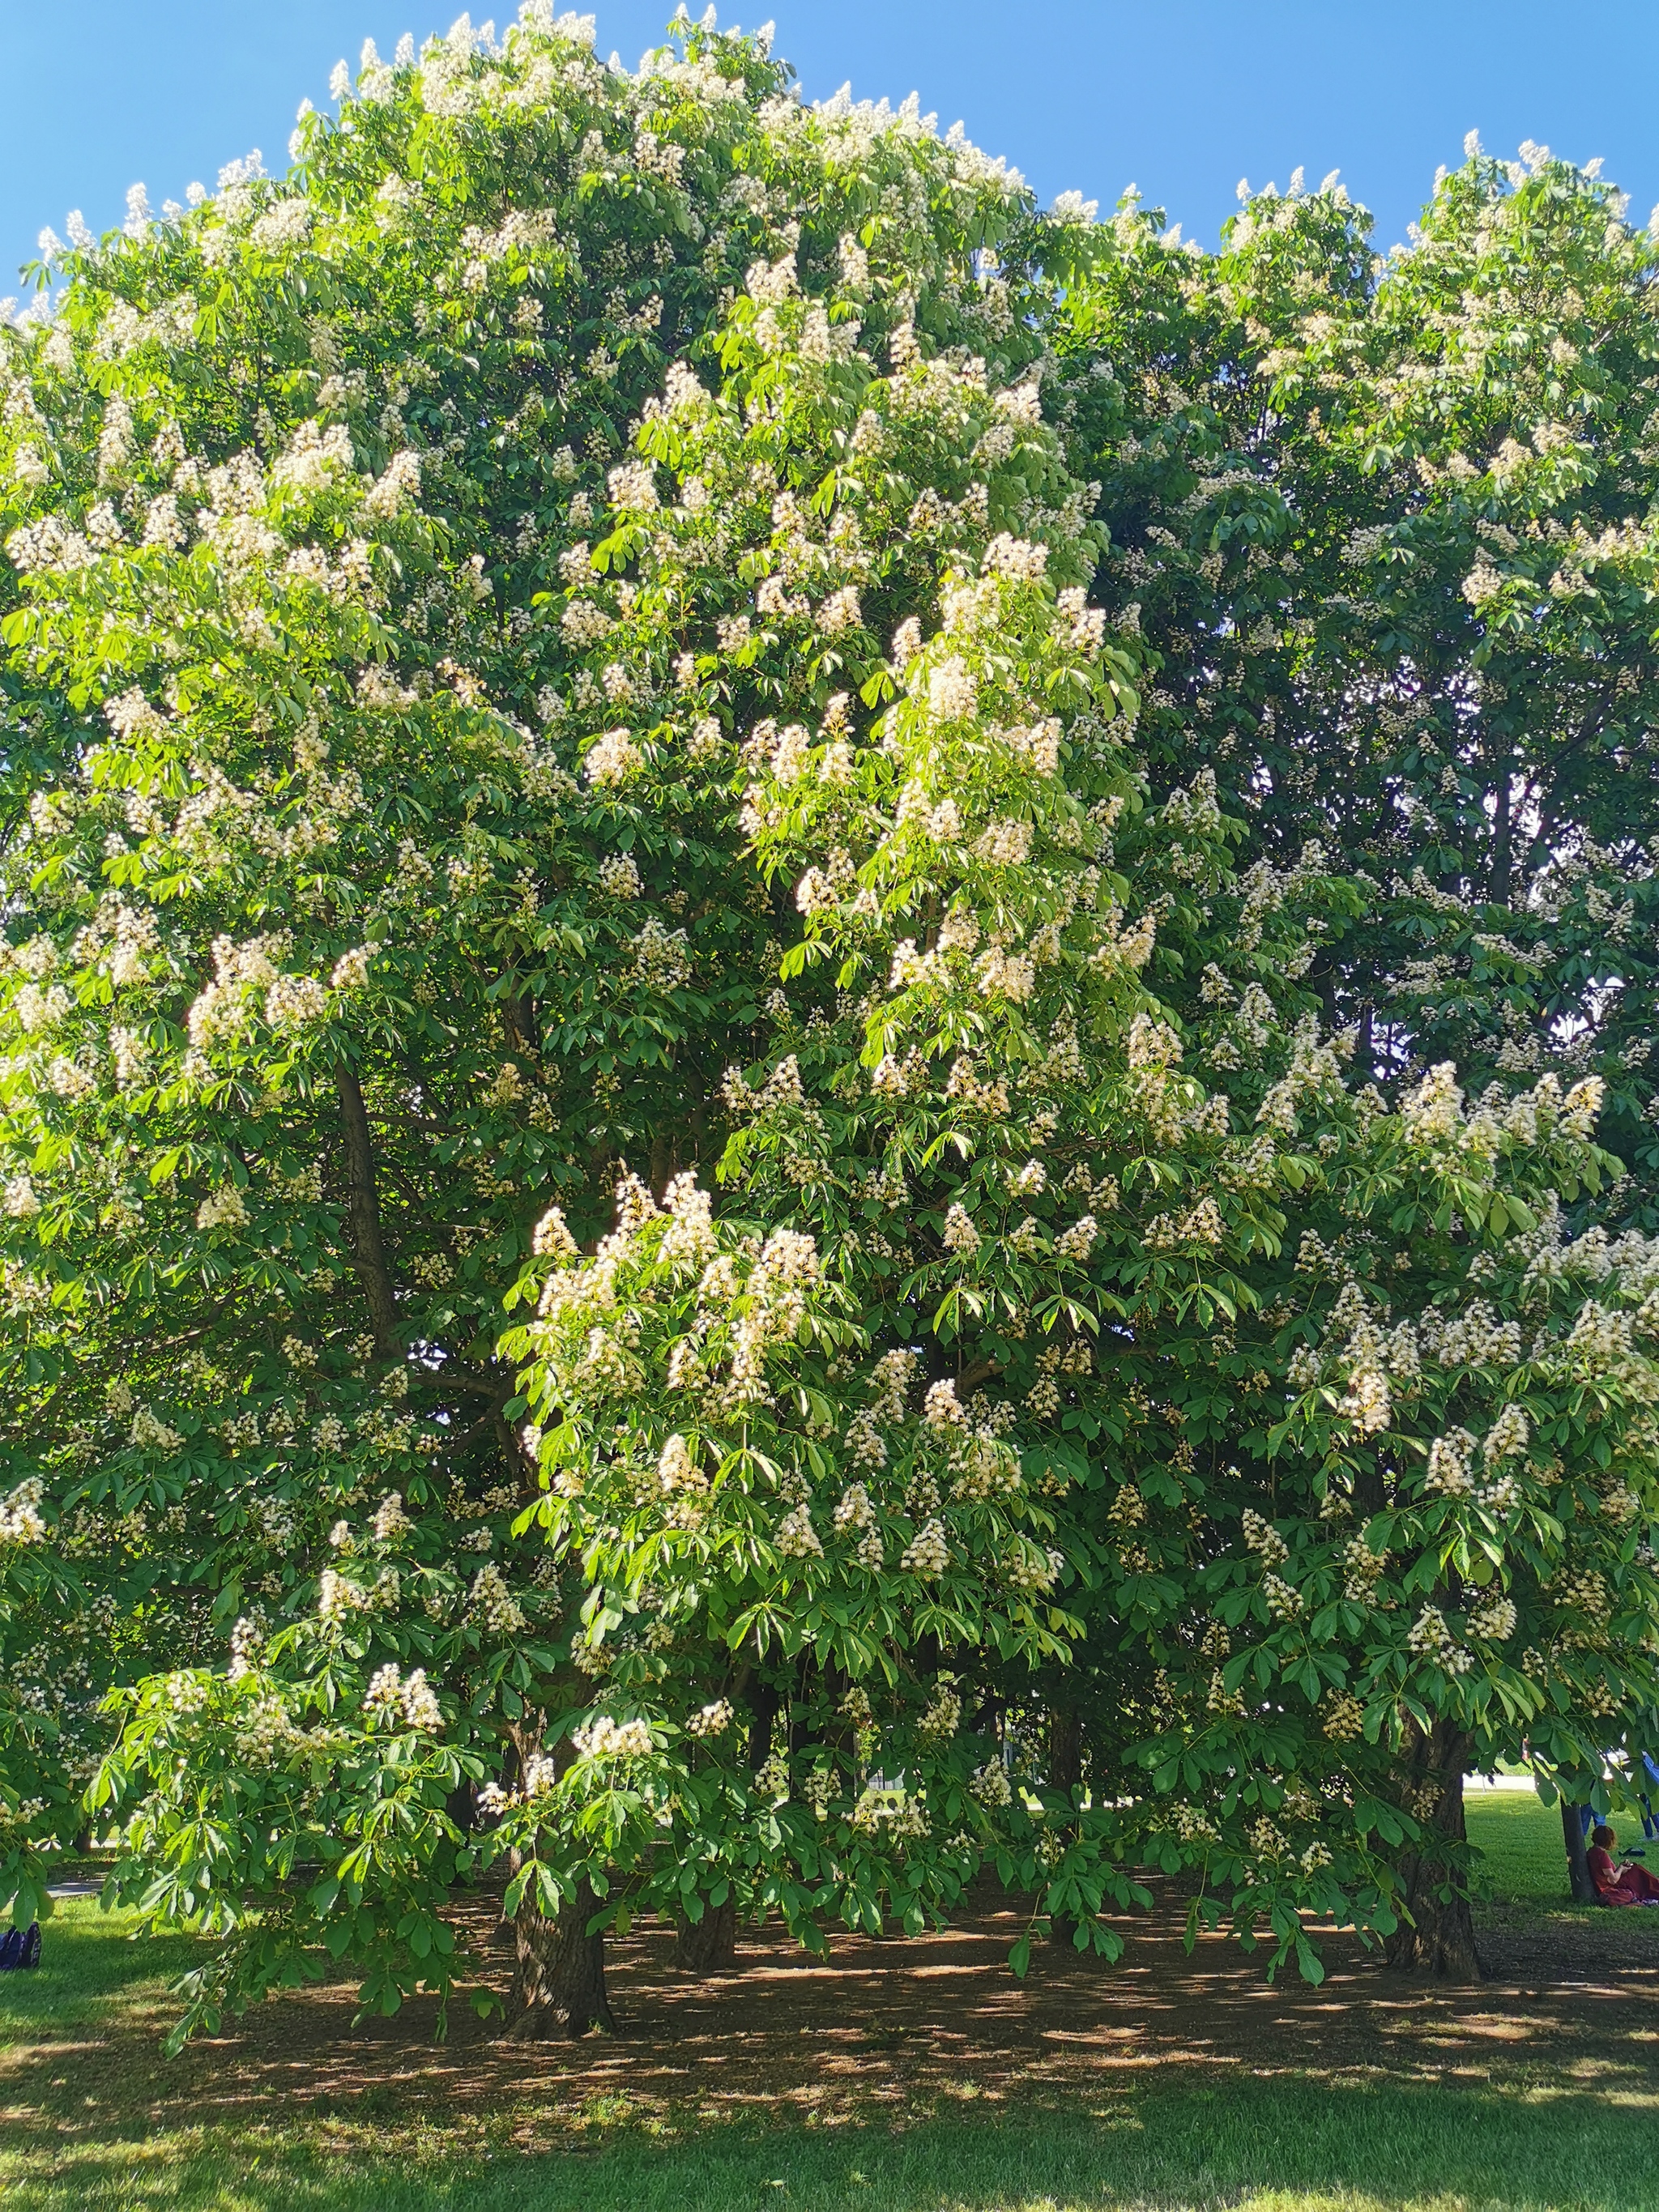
(556, 649)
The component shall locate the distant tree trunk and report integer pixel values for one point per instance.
(1501, 811)
(558, 1980)
(662, 1161)
(1065, 1773)
(1435, 1934)
(1581, 1887)
(363, 1217)
(462, 1806)
(519, 1023)
(764, 1703)
(708, 1946)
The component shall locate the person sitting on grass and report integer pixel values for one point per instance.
(1627, 1885)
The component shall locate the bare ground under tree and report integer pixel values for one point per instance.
(889, 2027)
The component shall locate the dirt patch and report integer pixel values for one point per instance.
(892, 2026)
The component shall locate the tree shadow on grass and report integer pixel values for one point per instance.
(919, 2065)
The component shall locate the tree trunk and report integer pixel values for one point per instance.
(519, 1023)
(1580, 1886)
(363, 1215)
(1498, 889)
(708, 1946)
(764, 1704)
(558, 1981)
(1435, 1934)
(1065, 1773)
(462, 1806)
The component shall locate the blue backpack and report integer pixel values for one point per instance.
(19, 1947)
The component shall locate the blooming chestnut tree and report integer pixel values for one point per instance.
(673, 1214)
(1383, 520)
(345, 938)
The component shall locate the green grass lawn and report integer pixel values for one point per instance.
(94, 2120)
(1267, 2146)
(1520, 1841)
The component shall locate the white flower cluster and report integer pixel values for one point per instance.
(854, 1511)
(247, 1641)
(1031, 1569)
(796, 1537)
(399, 485)
(991, 1784)
(943, 1716)
(225, 1208)
(1345, 1718)
(1367, 1402)
(1078, 1240)
(1263, 1539)
(149, 1433)
(960, 1235)
(1365, 1569)
(338, 1595)
(710, 1720)
(1494, 1621)
(20, 1521)
(604, 1738)
(18, 1199)
(350, 971)
(1284, 1598)
(619, 877)
(552, 1239)
(493, 1605)
(1430, 1638)
(391, 1696)
(613, 760)
(942, 1408)
(391, 1521)
(1509, 1434)
(927, 1553)
(1449, 1474)
(678, 1469)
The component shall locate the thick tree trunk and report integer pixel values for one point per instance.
(1579, 1885)
(1435, 1934)
(558, 1981)
(708, 1946)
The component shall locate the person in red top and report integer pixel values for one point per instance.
(1625, 1885)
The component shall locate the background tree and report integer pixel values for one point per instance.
(1385, 522)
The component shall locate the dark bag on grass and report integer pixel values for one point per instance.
(11, 1950)
(31, 1946)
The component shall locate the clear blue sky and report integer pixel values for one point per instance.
(1183, 96)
